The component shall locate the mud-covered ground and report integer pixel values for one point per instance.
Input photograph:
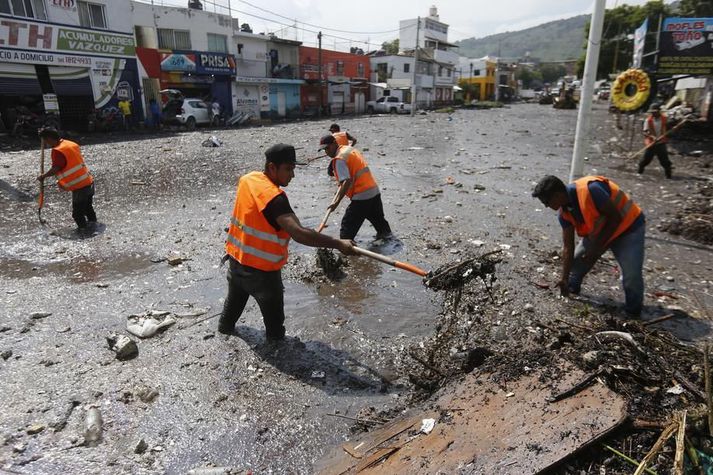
(452, 187)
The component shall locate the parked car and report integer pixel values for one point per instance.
(188, 111)
(388, 105)
(604, 93)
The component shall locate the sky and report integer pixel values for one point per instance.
(368, 23)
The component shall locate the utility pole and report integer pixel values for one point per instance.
(414, 89)
(585, 101)
(319, 60)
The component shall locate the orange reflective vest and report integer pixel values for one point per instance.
(593, 221)
(650, 126)
(75, 174)
(363, 184)
(252, 241)
(341, 138)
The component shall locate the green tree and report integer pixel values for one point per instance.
(617, 46)
(527, 76)
(391, 47)
(695, 8)
(552, 72)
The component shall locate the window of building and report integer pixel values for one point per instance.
(174, 39)
(217, 43)
(407, 67)
(440, 71)
(476, 72)
(449, 72)
(360, 70)
(340, 68)
(91, 15)
(24, 8)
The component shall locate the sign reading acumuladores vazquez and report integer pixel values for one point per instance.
(45, 43)
(686, 46)
(95, 42)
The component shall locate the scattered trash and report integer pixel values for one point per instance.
(427, 426)
(677, 389)
(696, 153)
(212, 141)
(40, 315)
(147, 394)
(35, 429)
(124, 347)
(529, 307)
(477, 187)
(93, 427)
(141, 447)
(318, 375)
(148, 325)
(174, 260)
(212, 471)
(195, 313)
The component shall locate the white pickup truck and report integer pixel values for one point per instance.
(388, 105)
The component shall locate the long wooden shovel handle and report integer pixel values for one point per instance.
(323, 224)
(671, 130)
(392, 262)
(41, 199)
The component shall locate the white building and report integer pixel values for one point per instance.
(433, 44)
(66, 57)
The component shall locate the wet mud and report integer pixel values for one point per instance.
(370, 343)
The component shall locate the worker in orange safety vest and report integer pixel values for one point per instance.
(357, 182)
(261, 226)
(606, 218)
(342, 138)
(72, 175)
(655, 127)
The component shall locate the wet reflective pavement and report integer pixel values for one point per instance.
(449, 188)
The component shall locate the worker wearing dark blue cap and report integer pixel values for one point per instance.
(261, 226)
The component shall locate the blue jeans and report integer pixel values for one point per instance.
(628, 250)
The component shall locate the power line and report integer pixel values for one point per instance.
(322, 27)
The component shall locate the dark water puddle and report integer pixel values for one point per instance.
(76, 270)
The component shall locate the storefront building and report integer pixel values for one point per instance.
(345, 86)
(71, 69)
(200, 74)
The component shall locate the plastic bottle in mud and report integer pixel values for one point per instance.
(93, 427)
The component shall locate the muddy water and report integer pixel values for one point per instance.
(450, 188)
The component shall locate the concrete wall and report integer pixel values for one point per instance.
(198, 22)
(117, 13)
(252, 61)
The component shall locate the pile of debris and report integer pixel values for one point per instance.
(658, 380)
(694, 220)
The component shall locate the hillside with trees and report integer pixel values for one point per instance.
(553, 41)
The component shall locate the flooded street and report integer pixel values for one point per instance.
(452, 186)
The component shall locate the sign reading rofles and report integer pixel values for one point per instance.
(686, 46)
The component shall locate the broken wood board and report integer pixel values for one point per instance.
(482, 427)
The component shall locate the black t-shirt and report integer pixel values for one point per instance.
(278, 206)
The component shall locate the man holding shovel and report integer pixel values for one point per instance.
(261, 226)
(606, 218)
(72, 175)
(355, 181)
(655, 138)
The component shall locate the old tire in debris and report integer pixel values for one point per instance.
(631, 90)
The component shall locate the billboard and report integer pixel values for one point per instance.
(686, 46)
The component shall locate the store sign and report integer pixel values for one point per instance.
(45, 43)
(686, 46)
(85, 41)
(70, 5)
(50, 101)
(215, 63)
(178, 62)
